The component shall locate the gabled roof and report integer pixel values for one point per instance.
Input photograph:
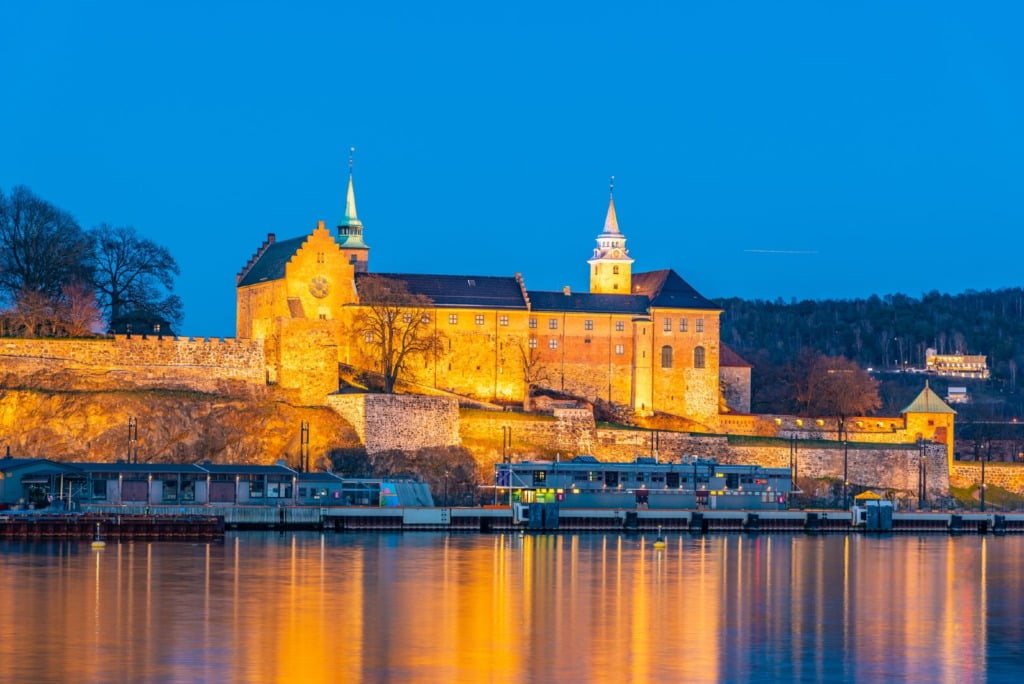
(928, 402)
(666, 289)
(271, 263)
(9, 463)
(730, 359)
(585, 302)
(487, 292)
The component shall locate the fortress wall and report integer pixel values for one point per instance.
(399, 421)
(136, 362)
(1009, 476)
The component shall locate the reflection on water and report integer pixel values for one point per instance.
(431, 607)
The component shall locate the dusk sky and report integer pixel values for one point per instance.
(761, 149)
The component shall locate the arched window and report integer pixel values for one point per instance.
(615, 270)
(666, 356)
(698, 357)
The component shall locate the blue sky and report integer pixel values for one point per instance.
(881, 142)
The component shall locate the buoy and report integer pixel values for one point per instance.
(97, 542)
(659, 541)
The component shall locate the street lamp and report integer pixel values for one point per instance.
(988, 455)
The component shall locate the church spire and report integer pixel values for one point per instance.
(351, 219)
(611, 267)
(350, 228)
(611, 223)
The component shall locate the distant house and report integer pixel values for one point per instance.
(958, 395)
(734, 379)
(141, 323)
(957, 365)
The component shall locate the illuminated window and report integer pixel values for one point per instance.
(615, 270)
(407, 318)
(553, 323)
(533, 343)
(666, 356)
(453, 319)
(553, 343)
(698, 357)
(667, 325)
(425, 318)
(368, 336)
(620, 326)
(683, 325)
(620, 349)
(533, 322)
(503, 320)
(588, 324)
(699, 326)
(479, 319)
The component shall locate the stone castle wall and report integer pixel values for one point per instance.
(1009, 476)
(135, 362)
(399, 421)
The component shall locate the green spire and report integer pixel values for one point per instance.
(351, 219)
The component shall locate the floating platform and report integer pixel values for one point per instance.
(112, 527)
(171, 523)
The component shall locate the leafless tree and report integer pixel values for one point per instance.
(836, 386)
(42, 248)
(132, 274)
(394, 326)
(534, 373)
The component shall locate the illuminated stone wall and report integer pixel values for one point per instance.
(219, 366)
(1009, 476)
(399, 421)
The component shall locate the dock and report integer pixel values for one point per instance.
(211, 522)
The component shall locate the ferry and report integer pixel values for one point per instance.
(645, 483)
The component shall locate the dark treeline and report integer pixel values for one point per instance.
(884, 333)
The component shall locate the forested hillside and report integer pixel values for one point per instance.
(887, 333)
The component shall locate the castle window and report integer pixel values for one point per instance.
(620, 349)
(595, 269)
(553, 323)
(620, 326)
(533, 322)
(588, 324)
(479, 319)
(615, 270)
(407, 318)
(667, 325)
(683, 325)
(698, 357)
(553, 343)
(368, 336)
(453, 319)
(533, 343)
(319, 257)
(503, 320)
(425, 318)
(666, 356)
(699, 326)
(615, 286)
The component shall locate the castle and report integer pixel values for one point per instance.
(647, 342)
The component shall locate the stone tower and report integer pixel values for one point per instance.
(611, 266)
(350, 231)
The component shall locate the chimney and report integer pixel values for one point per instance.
(566, 291)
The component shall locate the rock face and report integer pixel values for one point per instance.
(172, 427)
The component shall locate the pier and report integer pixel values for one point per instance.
(210, 522)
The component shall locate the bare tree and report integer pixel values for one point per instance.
(42, 248)
(77, 311)
(836, 386)
(534, 373)
(132, 274)
(394, 326)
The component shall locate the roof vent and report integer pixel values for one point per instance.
(471, 283)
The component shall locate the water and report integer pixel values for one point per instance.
(305, 607)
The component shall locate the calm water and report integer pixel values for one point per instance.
(306, 607)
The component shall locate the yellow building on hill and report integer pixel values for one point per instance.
(647, 342)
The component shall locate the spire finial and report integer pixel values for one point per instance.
(351, 153)
(611, 187)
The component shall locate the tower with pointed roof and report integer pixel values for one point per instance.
(611, 267)
(350, 230)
